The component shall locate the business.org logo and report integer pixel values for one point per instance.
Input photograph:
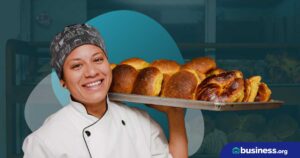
(235, 150)
(257, 150)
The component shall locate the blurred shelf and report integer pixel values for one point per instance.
(289, 93)
(22, 93)
(19, 84)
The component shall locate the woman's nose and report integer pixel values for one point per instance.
(91, 71)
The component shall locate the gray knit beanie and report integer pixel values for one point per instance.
(70, 38)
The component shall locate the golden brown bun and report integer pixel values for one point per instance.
(112, 66)
(215, 71)
(264, 93)
(224, 87)
(168, 67)
(200, 77)
(166, 78)
(181, 85)
(148, 82)
(123, 79)
(201, 65)
(137, 63)
(254, 82)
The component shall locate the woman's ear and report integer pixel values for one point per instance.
(62, 83)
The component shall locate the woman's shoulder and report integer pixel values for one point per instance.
(129, 110)
(56, 129)
(55, 122)
(59, 117)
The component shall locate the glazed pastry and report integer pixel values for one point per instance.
(224, 87)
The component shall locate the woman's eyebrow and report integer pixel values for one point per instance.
(100, 53)
(76, 59)
(72, 60)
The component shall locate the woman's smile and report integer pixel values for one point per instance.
(94, 85)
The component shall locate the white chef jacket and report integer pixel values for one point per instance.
(122, 132)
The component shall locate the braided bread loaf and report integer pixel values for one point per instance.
(224, 87)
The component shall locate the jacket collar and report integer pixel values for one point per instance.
(82, 110)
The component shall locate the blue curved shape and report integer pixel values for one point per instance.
(62, 94)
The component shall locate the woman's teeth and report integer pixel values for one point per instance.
(94, 84)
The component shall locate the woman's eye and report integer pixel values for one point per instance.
(76, 66)
(98, 60)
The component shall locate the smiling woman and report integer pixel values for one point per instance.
(87, 75)
(92, 125)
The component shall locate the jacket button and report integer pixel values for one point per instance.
(123, 122)
(88, 133)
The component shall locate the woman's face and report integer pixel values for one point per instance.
(87, 74)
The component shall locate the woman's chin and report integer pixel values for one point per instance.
(96, 98)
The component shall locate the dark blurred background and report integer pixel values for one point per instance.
(258, 37)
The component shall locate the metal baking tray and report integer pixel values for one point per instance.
(194, 104)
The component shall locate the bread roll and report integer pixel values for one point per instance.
(167, 67)
(199, 78)
(123, 79)
(137, 63)
(148, 82)
(201, 65)
(181, 85)
(264, 93)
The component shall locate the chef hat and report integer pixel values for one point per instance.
(70, 38)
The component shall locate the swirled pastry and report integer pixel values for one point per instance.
(224, 87)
